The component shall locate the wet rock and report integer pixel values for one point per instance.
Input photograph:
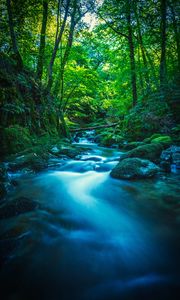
(164, 139)
(171, 156)
(176, 159)
(87, 136)
(151, 152)
(2, 190)
(4, 181)
(104, 167)
(70, 152)
(17, 206)
(54, 150)
(30, 161)
(154, 136)
(165, 165)
(132, 145)
(132, 168)
(3, 173)
(92, 158)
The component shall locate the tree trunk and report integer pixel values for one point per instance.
(140, 40)
(132, 58)
(40, 63)
(62, 127)
(93, 127)
(12, 34)
(176, 32)
(162, 75)
(67, 52)
(56, 46)
(152, 69)
(140, 73)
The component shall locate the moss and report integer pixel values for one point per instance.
(30, 161)
(107, 139)
(176, 129)
(165, 139)
(16, 138)
(132, 145)
(149, 151)
(131, 168)
(154, 136)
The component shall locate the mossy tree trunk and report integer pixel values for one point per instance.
(56, 46)
(162, 73)
(40, 63)
(12, 34)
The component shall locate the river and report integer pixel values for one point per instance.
(94, 237)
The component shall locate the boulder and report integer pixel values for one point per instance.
(69, 151)
(17, 206)
(176, 159)
(151, 152)
(149, 139)
(164, 139)
(4, 181)
(132, 145)
(132, 168)
(171, 157)
(30, 161)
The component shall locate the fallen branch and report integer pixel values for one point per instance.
(92, 128)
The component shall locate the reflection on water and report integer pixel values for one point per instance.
(94, 237)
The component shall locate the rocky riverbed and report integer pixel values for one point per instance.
(69, 229)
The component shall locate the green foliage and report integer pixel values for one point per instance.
(146, 119)
(16, 138)
(95, 82)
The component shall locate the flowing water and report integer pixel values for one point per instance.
(94, 237)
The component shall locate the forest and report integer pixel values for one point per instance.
(90, 149)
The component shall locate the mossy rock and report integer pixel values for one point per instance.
(151, 152)
(176, 129)
(149, 139)
(107, 140)
(132, 145)
(16, 138)
(132, 168)
(30, 161)
(164, 139)
(69, 151)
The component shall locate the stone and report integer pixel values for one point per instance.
(132, 145)
(30, 161)
(151, 152)
(176, 159)
(4, 181)
(171, 156)
(132, 168)
(165, 139)
(17, 206)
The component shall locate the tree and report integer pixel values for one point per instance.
(40, 62)
(12, 34)
(162, 74)
(60, 29)
(118, 16)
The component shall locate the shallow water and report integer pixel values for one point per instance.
(94, 237)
